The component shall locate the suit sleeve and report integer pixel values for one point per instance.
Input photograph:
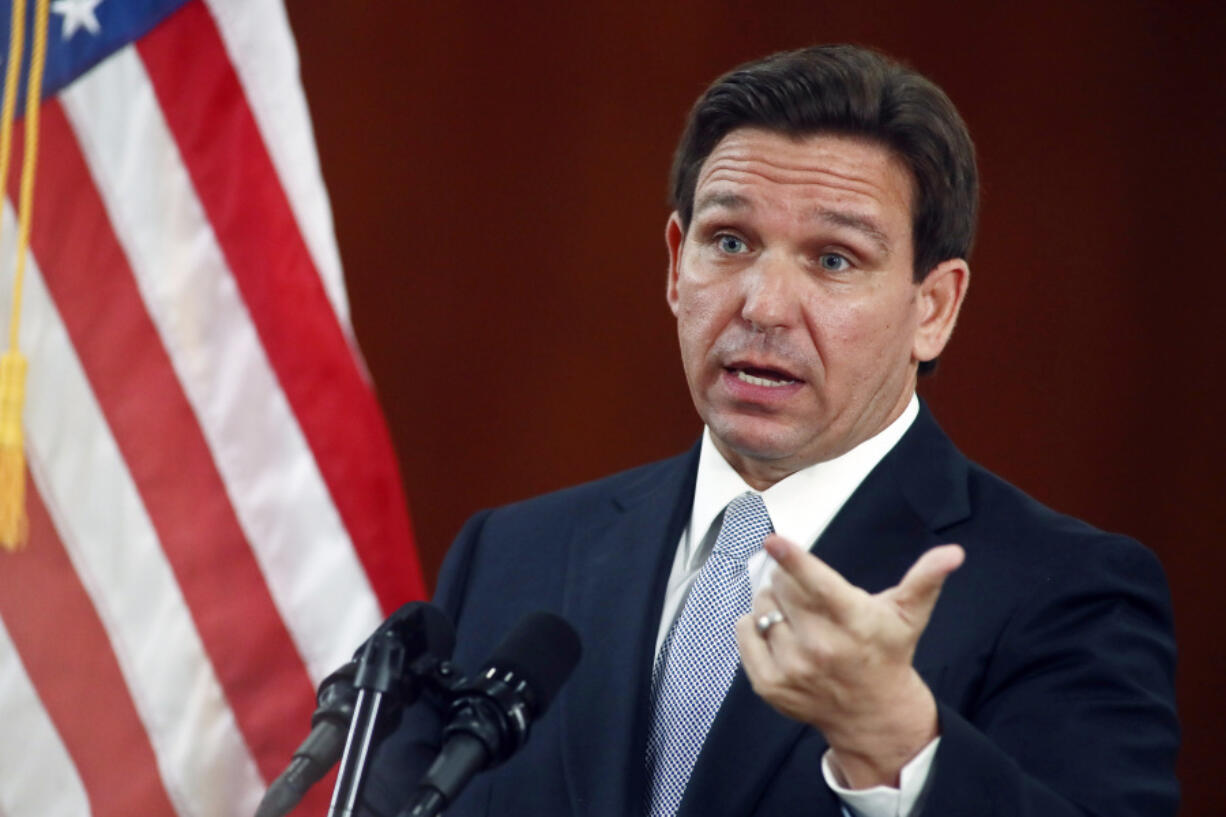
(408, 746)
(1075, 712)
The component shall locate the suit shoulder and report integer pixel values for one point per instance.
(623, 486)
(1007, 519)
(528, 544)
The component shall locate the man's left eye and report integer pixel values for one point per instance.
(834, 262)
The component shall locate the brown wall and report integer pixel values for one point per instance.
(497, 174)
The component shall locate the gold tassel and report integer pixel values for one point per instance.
(14, 525)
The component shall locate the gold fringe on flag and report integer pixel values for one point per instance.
(14, 525)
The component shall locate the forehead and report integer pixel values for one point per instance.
(754, 167)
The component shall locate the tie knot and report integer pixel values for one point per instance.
(746, 524)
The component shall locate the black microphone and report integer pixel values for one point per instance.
(491, 714)
(420, 629)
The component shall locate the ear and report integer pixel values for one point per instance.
(938, 299)
(674, 237)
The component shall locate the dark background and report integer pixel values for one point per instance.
(497, 172)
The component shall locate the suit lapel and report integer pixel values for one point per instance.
(883, 528)
(615, 589)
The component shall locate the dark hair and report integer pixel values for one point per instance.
(848, 90)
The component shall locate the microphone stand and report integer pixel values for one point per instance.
(380, 671)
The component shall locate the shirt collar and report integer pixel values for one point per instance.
(802, 504)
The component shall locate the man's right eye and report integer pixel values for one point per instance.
(730, 244)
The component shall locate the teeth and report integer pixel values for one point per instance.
(746, 377)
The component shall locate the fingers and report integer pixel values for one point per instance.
(805, 580)
(760, 652)
(841, 659)
(917, 593)
(755, 653)
(766, 604)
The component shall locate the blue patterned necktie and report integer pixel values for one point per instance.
(699, 656)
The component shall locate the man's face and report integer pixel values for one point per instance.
(800, 324)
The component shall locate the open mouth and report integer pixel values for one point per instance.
(770, 378)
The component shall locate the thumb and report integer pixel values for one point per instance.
(917, 593)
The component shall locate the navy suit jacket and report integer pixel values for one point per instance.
(1050, 651)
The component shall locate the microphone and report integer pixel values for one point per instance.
(491, 714)
(421, 630)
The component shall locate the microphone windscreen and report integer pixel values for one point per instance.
(543, 650)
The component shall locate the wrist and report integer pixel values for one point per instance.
(873, 751)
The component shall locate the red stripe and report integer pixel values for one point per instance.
(235, 179)
(65, 649)
(88, 276)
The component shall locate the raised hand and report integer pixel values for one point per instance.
(840, 659)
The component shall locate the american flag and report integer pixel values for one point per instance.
(216, 519)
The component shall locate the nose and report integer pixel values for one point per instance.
(772, 300)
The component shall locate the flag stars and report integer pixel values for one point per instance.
(77, 14)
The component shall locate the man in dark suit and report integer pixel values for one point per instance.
(825, 205)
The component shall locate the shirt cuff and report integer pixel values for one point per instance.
(885, 801)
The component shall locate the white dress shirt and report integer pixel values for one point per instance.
(801, 506)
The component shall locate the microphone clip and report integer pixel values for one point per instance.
(496, 708)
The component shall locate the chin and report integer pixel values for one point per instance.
(755, 439)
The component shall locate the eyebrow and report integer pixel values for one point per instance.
(861, 224)
(727, 201)
(840, 218)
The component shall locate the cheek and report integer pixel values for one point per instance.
(838, 327)
(703, 311)
(852, 334)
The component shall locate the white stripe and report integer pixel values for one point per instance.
(39, 778)
(257, 36)
(89, 493)
(271, 477)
